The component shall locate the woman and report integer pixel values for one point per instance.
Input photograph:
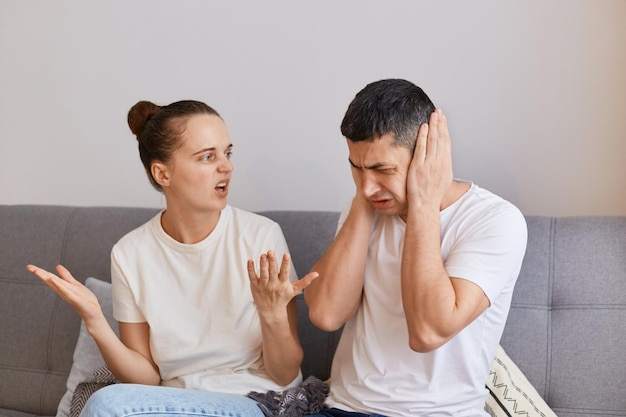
(192, 312)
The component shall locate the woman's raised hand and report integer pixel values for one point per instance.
(72, 291)
(271, 288)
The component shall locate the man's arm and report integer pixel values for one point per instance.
(436, 305)
(335, 296)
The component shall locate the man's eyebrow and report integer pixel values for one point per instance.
(377, 165)
(229, 147)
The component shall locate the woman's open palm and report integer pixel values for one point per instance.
(71, 290)
(271, 288)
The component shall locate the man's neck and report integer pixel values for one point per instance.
(456, 191)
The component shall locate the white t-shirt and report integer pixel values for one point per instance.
(204, 327)
(375, 371)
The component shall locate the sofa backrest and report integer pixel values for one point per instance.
(567, 325)
(38, 329)
(308, 234)
(565, 330)
(42, 329)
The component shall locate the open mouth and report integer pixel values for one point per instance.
(221, 186)
(379, 204)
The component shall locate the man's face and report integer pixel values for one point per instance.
(379, 170)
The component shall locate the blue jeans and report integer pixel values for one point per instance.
(122, 400)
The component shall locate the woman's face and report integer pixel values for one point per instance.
(198, 174)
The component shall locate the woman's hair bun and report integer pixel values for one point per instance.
(139, 115)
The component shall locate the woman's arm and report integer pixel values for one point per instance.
(274, 296)
(130, 360)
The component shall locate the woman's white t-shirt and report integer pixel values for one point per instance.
(204, 327)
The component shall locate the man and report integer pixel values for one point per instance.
(421, 271)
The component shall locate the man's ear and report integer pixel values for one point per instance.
(160, 173)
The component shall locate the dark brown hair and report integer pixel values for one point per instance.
(387, 106)
(159, 128)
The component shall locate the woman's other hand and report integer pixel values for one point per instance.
(271, 288)
(72, 291)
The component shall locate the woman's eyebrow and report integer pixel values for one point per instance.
(211, 149)
(204, 150)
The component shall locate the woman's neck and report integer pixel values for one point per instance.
(189, 228)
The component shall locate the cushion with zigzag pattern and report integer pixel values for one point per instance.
(510, 392)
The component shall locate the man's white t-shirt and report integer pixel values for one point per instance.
(375, 371)
(204, 326)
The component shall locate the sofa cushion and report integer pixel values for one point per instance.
(566, 325)
(510, 393)
(87, 357)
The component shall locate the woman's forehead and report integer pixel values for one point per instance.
(205, 131)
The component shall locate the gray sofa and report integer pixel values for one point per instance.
(566, 329)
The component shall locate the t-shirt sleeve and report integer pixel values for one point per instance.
(489, 251)
(124, 306)
(342, 217)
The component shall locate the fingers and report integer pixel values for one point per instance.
(271, 285)
(426, 134)
(263, 274)
(65, 286)
(65, 274)
(442, 133)
(305, 281)
(285, 268)
(272, 265)
(47, 277)
(42, 274)
(420, 145)
(268, 268)
(251, 271)
(433, 133)
(433, 139)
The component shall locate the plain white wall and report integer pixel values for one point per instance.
(534, 91)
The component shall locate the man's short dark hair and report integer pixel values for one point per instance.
(387, 106)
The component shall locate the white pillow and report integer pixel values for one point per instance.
(510, 392)
(87, 357)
